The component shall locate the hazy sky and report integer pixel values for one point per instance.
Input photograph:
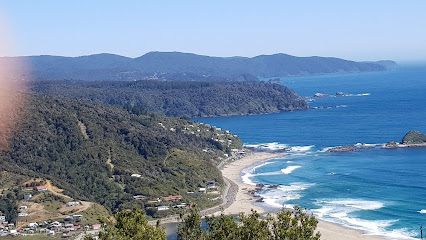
(358, 29)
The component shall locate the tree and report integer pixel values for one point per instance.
(190, 229)
(295, 225)
(131, 225)
(285, 225)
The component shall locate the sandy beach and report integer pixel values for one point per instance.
(244, 201)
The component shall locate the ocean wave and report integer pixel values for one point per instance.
(278, 197)
(289, 169)
(301, 148)
(357, 95)
(246, 178)
(342, 212)
(253, 169)
(273, 146)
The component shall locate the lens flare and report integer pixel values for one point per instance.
(13, 82)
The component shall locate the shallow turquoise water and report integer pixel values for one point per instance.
(376, 190)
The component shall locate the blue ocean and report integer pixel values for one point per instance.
(378, 191)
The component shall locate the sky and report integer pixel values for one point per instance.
(356, 30)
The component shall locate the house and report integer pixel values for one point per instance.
(27, 196)
(136, 175)
(202, 190)
(139, 197)
(172, 198)
(182, 205)
(162, 208)
(72, 204)
(33, 225)
(22, 214)
(2, 219)
(23, 207)
(41, 188)
(96, 226)
(77, 216)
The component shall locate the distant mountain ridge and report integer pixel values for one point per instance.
(177, 65)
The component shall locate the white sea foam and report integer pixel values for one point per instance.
(289, 161)
(357, 95)
(253, 169)
(246, 178)
(278, 197)
(268, 146)
(340, 211)
(289, 169)
(301, 148)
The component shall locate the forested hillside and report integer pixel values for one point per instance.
(91, 150)
(191, 99)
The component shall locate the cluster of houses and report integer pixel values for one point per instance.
(166, 203)
(67, 230)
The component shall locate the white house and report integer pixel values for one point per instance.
(162, 208)
(202, 190)
(136, 175)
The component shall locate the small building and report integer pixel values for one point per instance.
(33, 225)
(139, 197)
(69, 218)
(162, 208)
(2, 219)
(77, 216)
(172, 198)
(22, 214)
(27, 196)
(96, 226)
(202, 190)
(23, 207)
(41, 188)
(72, 204)
(136, 175)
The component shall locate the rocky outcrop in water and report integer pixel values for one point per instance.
(411, 139)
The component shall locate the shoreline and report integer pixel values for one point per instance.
(244, 201)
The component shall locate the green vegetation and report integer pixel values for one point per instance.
(414, 137)
(8, 203)
(191, 99)
(51, 202)
(130, 226)
(285, 225)
(289, 225)
(93, 214)
(95, 162)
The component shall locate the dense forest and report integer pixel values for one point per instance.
(190, 99)
(91, 150)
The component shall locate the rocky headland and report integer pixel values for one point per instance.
(411, 139)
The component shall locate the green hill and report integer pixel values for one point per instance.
(191, 99)
(91, 150)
